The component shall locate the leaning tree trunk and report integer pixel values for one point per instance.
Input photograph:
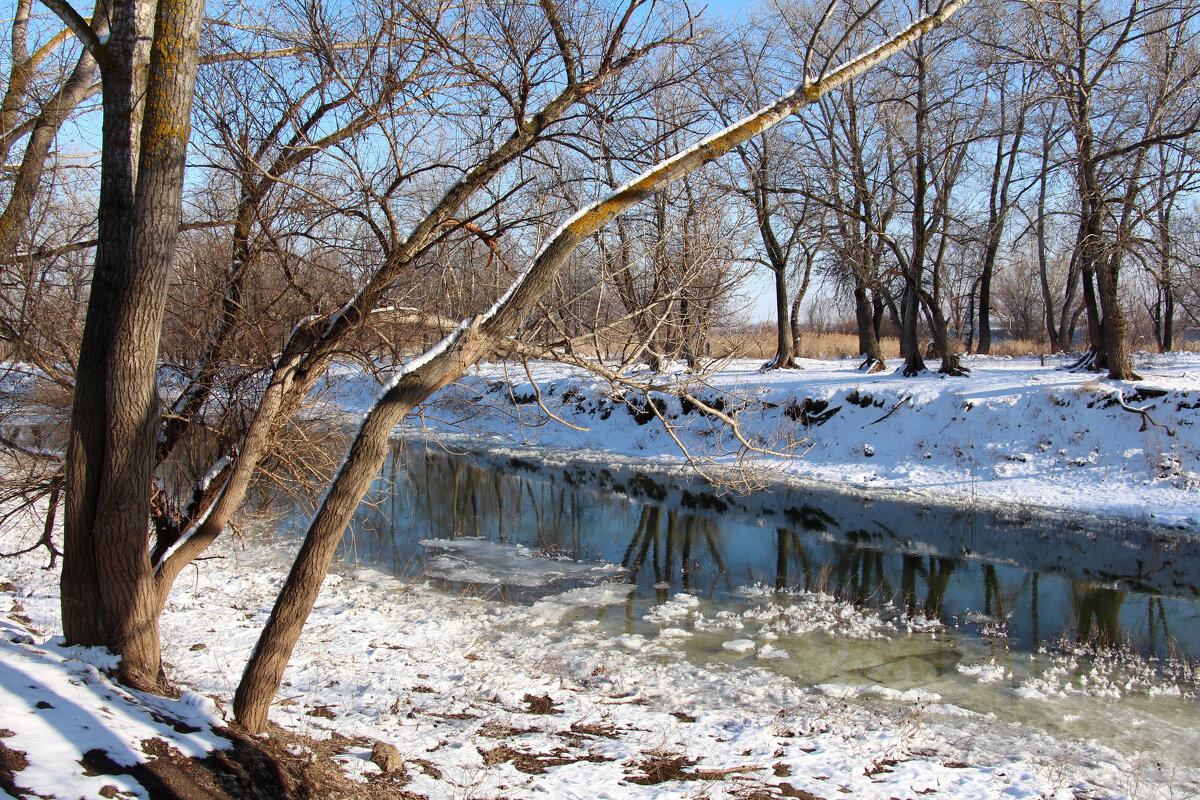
(1052, 332)
(798, 300)
(27, 181)
(1002, 177)
(476, 339)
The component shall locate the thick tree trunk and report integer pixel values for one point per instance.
(985, 300)
(868, 340)
(1106, 321)
(86, 620)
(910, 341)
(1113, 326)
(1167, 342)
(951, 365)
(108, 590)
(798, 300)
(1091, 308)
(785, 355)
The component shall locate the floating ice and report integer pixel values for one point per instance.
(475, 560)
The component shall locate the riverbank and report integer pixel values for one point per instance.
(1017, 432)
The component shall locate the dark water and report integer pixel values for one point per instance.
(1027, 580)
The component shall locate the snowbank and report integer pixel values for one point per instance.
(484, 699)
(1014, 433)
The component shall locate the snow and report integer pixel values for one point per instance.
(448, 679)
(447, 682)
(1014, 433)
(59, 705)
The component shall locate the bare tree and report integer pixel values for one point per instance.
(933, 101)
(770, 179)
(107, 579)
(1090, 52)
(848, 147)
(37, 102)
(1008, 87)
(478, 337)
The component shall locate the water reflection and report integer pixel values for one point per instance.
(1027, 581)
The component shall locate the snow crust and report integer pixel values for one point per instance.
(476, 560)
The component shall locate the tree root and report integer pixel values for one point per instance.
(1147, 420)
(871, 365)
(1085, 363)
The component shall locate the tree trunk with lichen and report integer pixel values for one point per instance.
(109, 596)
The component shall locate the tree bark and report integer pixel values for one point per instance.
(910, 341)
(108, 588)
(868, 339)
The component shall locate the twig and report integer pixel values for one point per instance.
(906, 399)
(537, 390)
(32, 452)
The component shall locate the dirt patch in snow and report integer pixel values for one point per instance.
(534, 763)
(283, 766)
(11, 762)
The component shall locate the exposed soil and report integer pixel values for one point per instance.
(660, 769)
(11, 762)
(539, 704)
(534, 763)
(281, 766)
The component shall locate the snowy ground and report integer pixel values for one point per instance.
(488, 700)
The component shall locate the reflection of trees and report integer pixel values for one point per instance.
(1034, 596)
(937, 580)
(1158, 632)
(940, 570)
(1097, 614)
(788, 547)
(682, 534)
(859, 575)
(466, 499)
(908, 584)
(424, 494)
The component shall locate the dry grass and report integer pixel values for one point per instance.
(1019, 347)
(761, 344)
